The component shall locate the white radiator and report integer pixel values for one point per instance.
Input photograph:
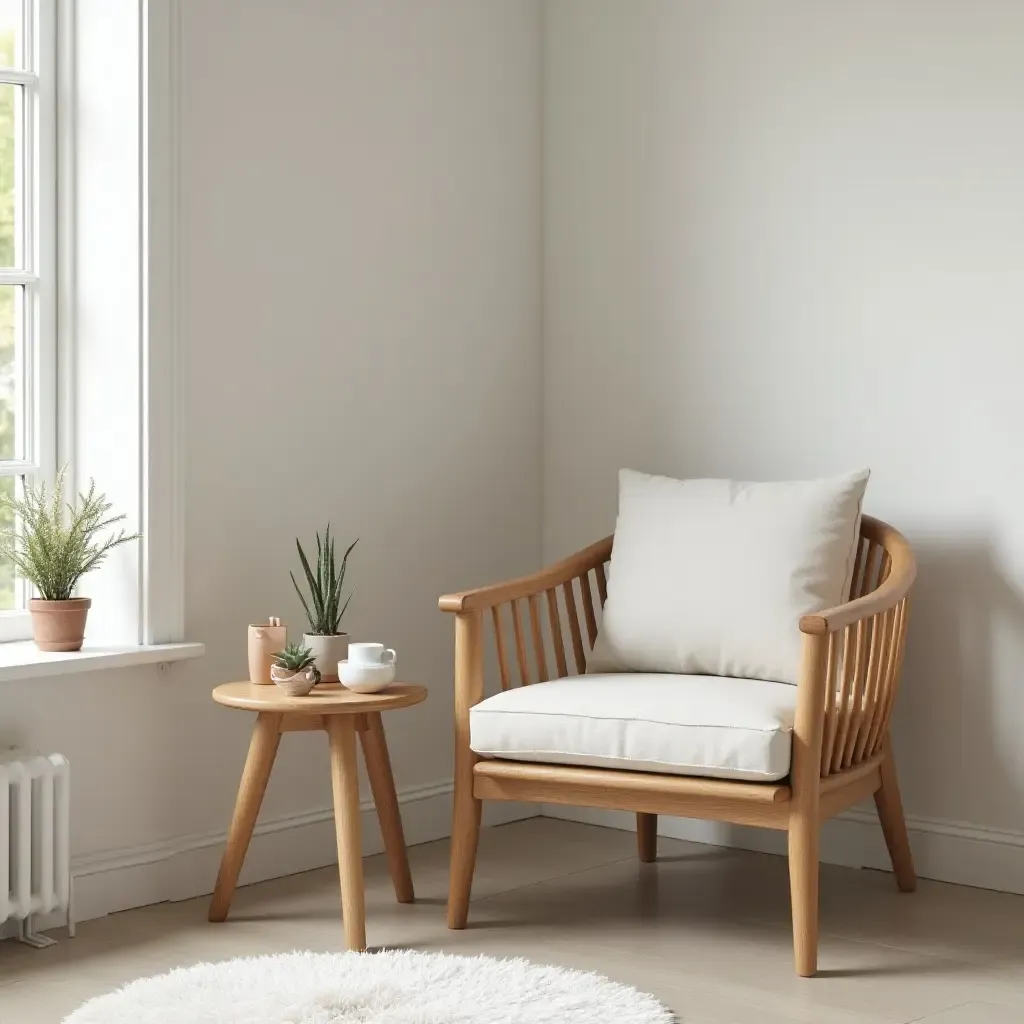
(35, 875)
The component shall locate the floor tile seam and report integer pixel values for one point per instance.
(554, 878)
(931, 1016)
(913, 952)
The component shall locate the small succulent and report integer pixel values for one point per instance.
(295, 658)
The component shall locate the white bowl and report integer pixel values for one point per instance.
(365, 678)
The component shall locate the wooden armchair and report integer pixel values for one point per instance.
(841, 751)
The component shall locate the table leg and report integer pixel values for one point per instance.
(266, 737)
(345, 783)
(382, 782)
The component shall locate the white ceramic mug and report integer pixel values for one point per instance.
(370, 654)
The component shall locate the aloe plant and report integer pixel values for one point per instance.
(294, 658)
(324, 609)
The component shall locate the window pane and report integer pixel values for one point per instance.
(10, 215)
(7, 590)
(11, 373)
(11, 34)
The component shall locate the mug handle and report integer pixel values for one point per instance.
(385, 660)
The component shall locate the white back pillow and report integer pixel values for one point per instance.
(711, 576)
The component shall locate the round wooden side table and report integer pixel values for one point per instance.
(341, 713)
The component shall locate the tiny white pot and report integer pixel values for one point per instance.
(295, 684)
(328, 651)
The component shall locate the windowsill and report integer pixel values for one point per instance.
(23, 660)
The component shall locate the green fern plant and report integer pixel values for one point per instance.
(54, 543)
(324, 609)
(295, 657)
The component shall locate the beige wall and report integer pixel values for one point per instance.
(785, 239)
(360, 316)
(361, 310)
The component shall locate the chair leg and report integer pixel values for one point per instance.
(469, 688)
(465, 836)
(804, 839)
(894, 826)
(647, 837)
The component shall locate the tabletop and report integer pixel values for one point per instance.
(326, 698)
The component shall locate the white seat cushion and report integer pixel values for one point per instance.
(711, 726)
(712, 576)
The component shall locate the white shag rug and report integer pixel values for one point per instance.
(391, 987)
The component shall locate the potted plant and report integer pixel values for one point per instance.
(324, 609)
(294, 670)
(53, 545)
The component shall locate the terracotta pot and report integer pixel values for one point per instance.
(59, 625)
(328, 651)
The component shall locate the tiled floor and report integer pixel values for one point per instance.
(704, 929)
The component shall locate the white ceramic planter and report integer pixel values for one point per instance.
(328, 651)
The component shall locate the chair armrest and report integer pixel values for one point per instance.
(895, 587)
(531, 585)
(887, 596)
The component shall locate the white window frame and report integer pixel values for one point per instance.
(119, 376)
(37, 274)
(118, 390)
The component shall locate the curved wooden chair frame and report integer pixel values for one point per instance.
(842, 753)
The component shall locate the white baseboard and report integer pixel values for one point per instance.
(185, 867)
(946, 851)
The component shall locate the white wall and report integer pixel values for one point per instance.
(785, 239)
(360, 320)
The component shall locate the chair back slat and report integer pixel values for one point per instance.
(853, 672)
(499, 644)
(857, 579)
(588, 608)
(867, 582)
(538, 638)
(875, 683)
(888, 699)
(886, 567)
(517, 629)
(865, 672)
(602, 582)
(837, 661)
(557, 637)
(574, 627)
(877, 700)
